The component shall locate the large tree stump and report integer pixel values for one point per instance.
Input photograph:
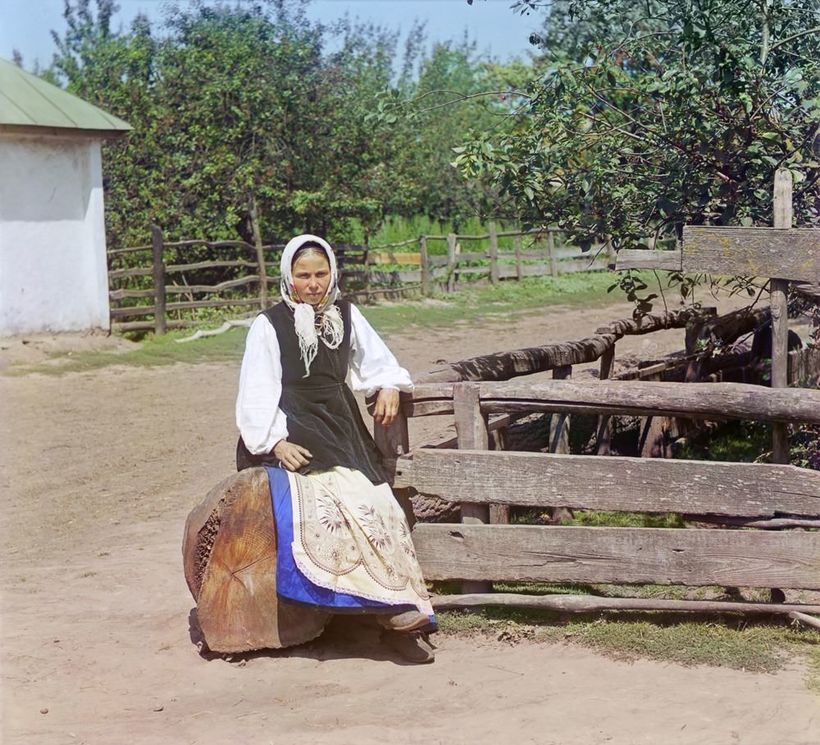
(229, 554)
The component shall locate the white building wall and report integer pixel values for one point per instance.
(53, 274)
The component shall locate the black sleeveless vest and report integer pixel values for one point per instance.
(321, 410)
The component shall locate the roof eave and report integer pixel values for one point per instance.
(63, 132)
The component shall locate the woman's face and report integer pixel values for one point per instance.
(311, 277)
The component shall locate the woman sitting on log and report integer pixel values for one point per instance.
(343, 542)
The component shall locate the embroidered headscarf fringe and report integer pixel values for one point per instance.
(312, 323)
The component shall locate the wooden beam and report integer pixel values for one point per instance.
(779, 303)
(617, 483)
(493, 253)
(452, 261)
(471, 427)
(646, 259)
(662, 556)
(695, 401)
(158, 271)
(779, 252)
(803, 618)
(596, 603)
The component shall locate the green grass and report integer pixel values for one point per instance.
(732, 643)
(488, 302)
(467, 305)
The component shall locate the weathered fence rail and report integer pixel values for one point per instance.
(161, 281)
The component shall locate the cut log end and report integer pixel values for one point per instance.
(229, 556)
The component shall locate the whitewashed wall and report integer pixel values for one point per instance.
(53, 273)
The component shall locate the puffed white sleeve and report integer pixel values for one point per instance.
(260, 420)
(372, 364)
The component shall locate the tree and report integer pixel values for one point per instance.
(646, 116)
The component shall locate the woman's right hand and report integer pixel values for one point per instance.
(291, 456)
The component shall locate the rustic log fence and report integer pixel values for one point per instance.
(544, 256)
(767, 515)
(478, 551)
(147, 290)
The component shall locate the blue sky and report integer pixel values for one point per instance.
(25, 24)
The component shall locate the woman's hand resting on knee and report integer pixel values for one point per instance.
(387, 406)
(291, 455)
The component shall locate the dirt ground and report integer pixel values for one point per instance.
(99, 471)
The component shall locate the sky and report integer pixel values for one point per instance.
(25, 24)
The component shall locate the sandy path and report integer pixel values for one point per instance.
(99, 471)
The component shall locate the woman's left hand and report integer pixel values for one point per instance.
(387, 406)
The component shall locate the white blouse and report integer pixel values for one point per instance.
(258, 416)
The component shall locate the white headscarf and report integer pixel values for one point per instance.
(324, 321)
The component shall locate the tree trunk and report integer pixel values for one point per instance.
(229, 555)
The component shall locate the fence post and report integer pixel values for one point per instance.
(559, 438)
(780, 316)
(158, 267)
(472, 434)
(519, 269)
(604, 434)
(551, 249)
(452, 238)
(493, 253)
(425, 266)
(367, 264)
(262, 269)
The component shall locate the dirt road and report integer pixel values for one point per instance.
(99, 471)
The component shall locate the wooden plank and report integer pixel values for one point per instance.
(437, 261)
(559, 443)
(646, 259)
(426, 285)
(148, 310)
(695, 401)
(778, 252)
(661, 556)
(158, 272)
(517, 253)
(506, 365)
(779, 302)
(804, 367)
(596, 603)
(472, 432)
(395, 257)
(551, 251)
(603, 435)
(451, 261)
(493, 253)
(617, 483)
(803, 618)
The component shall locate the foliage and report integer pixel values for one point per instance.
(645, 116)
(236, 111)
(253, 115)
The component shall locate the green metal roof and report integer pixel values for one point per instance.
(28, 101)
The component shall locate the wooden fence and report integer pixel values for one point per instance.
(745, 500)
(485, 483)
(148, 289)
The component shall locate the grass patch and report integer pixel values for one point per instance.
(736, 644)
(493, 302)
(736, 441)
(467, 305)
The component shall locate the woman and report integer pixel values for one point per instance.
(343, 542)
